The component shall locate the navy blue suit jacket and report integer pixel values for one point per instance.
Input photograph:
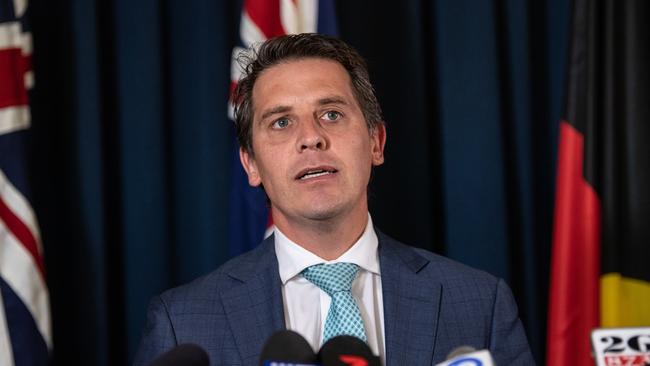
(431, 306)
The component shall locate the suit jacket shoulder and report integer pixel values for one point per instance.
(229, 312)
(433, 304)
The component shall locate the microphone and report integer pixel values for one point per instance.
(468, 356)
(347, 351)
(286, 348)
(183, 355)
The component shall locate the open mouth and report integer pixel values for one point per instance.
(315, 173)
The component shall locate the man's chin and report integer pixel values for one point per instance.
(329, 208)
(317, 210)
(324, 210)
(324, 214)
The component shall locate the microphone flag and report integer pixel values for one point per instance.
(621, 346)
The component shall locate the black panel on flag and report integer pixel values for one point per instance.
(611, 49)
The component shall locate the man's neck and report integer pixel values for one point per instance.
(328, 239)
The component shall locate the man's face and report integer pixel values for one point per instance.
(313, 152)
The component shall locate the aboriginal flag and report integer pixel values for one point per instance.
(600, 271)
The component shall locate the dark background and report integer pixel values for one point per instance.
(132, 146)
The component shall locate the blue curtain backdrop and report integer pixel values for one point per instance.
(131, 150)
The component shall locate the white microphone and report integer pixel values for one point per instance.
(468, 356)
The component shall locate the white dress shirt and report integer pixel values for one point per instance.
(306, 305)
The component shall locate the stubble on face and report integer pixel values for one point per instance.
(313, 149)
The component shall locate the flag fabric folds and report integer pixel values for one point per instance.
(600, 275)
(250, 219)
(25, 330)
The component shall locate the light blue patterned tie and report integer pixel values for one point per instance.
(343, 317)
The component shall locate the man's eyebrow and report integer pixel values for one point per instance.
(332, 100)
(275, 110)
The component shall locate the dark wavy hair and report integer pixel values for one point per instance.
(293, 47)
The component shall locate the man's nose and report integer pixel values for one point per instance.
(311, 136)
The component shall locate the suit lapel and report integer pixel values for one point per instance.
(255, 310)
(411, 304)
(254, 306)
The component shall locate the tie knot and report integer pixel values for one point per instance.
(332, 278)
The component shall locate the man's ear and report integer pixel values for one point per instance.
(250, 166)
(377, 144)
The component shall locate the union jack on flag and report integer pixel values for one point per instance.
(25, 329)
(250, 221)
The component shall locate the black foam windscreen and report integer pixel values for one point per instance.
(183, 355)
(346, 350)
(288, 347)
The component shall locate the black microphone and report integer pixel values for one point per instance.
(347, 351)
(286, 348)
(183, 355)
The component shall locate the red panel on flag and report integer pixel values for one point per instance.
(266, 15)
(575, 270)
(12, 85)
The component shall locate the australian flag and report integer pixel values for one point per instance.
(25, 330)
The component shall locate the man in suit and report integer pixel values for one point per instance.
(310, 130)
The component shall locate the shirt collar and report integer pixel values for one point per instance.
(293, 259)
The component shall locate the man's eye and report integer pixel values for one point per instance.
(281, 123)
(332, 115)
